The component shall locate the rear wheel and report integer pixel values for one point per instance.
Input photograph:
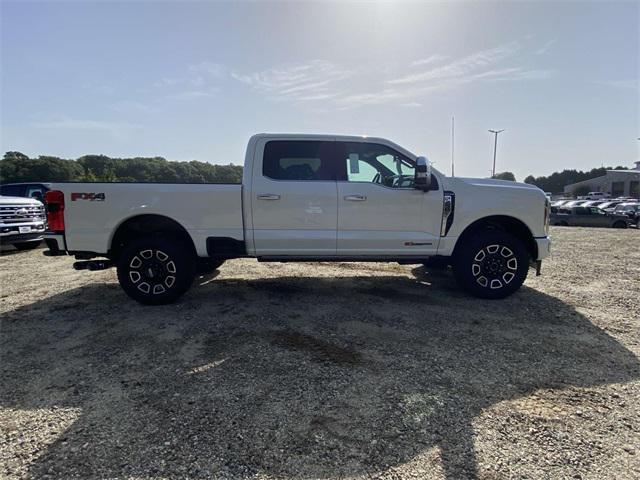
(156, 271)
(27, 245)
(492, 264)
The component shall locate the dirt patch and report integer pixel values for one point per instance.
(325, 371)
(317, 348)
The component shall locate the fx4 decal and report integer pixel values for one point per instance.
(94, 197)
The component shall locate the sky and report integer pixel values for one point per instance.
(194, 80)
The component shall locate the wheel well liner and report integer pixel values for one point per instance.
(504, 223)
(145, 225)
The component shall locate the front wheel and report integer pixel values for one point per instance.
(156, 271)
(492, 264)
(620, 224)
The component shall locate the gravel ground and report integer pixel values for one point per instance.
(304, 371)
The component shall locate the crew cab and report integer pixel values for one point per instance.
(304, 198)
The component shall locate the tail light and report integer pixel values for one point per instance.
(54, 200)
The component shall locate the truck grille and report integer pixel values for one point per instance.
(21, 213)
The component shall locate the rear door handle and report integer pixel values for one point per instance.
(268, 196)
(355, 198)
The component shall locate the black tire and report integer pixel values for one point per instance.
(156, 271)
(620, 224)
(27, 245)
(491, 264)
(208, 265)
(562, 224)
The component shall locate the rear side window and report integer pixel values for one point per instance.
(299, 160)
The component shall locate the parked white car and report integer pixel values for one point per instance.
(305, 198)
(594, 196)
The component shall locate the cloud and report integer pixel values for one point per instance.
(337, 87)
(459, 69)
(429, 60)
(545, 48)
(302, 82)
(115, 129)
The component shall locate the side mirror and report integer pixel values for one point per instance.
(422, 180)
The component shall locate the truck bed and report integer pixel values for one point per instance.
(93, 211)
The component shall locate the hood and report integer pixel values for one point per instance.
(491, 182)
(18, 201)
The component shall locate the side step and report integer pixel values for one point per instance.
(93, 265)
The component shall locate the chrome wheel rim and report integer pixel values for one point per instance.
(494, 266)
(152, 271)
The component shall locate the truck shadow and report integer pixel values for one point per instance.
(298, 377)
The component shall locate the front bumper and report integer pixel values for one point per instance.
(10, 233)
(544, 247)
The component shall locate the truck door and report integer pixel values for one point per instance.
(294, 198)
(379, 211)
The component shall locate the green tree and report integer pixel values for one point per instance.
(505, 176)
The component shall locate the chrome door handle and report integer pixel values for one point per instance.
(268, 196)
(355, 198)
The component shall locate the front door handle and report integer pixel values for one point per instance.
(268, 196)
(355, 198)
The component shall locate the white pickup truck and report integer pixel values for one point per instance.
(304, 198)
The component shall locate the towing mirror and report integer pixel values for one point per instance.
(422, 179)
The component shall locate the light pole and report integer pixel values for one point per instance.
(495, 147)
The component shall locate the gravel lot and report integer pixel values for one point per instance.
(304, 371)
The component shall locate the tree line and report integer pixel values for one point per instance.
(18, 167)
(556, 182)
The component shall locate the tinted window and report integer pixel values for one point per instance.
(371, 162)
(12, 190)
(298, 160)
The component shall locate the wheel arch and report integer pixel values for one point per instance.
(505, 223)
(142, 225)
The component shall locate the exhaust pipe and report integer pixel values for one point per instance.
(93, 265)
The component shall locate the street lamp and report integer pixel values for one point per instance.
(495, 147)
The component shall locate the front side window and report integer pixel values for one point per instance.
(298, 160)
(374, 163)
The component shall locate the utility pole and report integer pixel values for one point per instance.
(495, 147)
(453, 132)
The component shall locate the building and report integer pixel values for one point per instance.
(617, 183)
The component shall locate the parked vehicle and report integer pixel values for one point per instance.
(22, 222)
(631, 209)
(588, 217)
(592, 203)
(35, 190)
(574, 203)
(609, 206)
(305, 198)
(594, 196)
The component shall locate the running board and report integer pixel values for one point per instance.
(405, 259)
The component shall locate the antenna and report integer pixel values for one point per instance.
(453, 136)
